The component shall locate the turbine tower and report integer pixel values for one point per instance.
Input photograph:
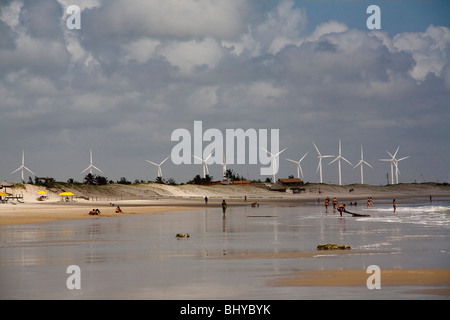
(274, 161)
(338, 159)
(224, 167)
(320, 156)
(299, 167)
(23, 167)
(204, 165)
(361, 163)
(91, 166)
(159, 165)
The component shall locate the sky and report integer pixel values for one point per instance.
(136, 71)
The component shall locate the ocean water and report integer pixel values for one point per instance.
(139, 257)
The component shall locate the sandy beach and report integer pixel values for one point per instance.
(157, 198)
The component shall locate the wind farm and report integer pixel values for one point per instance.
(301, 172)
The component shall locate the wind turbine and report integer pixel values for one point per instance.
(159, 166)
(394, 162)
(274, 161)
(320, 156)
(91, 166)
(23, 166)
(224, 167)
(361, 163)
(338, 159)
(204, 165)
(299, 167)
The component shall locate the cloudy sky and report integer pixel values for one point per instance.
(138, 70)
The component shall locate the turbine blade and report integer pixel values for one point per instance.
(358, 164)
(97, 168)
(165, 160)
(267, 152)
(403, 158)
(29, 170)
(291, 160)
(303, 157)
(152, 162)
(209, 155)
(318, 166)
(316, 149)
(280, 152)
(347, 161)
(16, 170)
(301, 171)
(333, 160)
(367, 164)
(396, 152)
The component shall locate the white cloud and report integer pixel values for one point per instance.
(141, 50)
(173, 18)
(429, 50)
(187, 55)
(282, 26)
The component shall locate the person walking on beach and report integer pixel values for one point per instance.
(206, 200)
(224, 207)
(341, 208)
(326, 205)
(334, 204)
(393, 204)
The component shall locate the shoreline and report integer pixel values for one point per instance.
(157, 199)
(41, 212)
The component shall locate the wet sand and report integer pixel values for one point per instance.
(348, 278)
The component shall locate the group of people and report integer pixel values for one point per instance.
(340, 208)
(327, 202)
(94, 212)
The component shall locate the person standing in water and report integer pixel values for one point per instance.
(393, 204)
(335, 202)
(224, 207)
(326, 205)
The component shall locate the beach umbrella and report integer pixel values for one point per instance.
(3, 194)
(66, 194)
(41, 192)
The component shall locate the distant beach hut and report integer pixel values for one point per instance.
(66, 196)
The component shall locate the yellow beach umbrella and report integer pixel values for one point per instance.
(41, 192)
(2, 194)
(66, 194)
